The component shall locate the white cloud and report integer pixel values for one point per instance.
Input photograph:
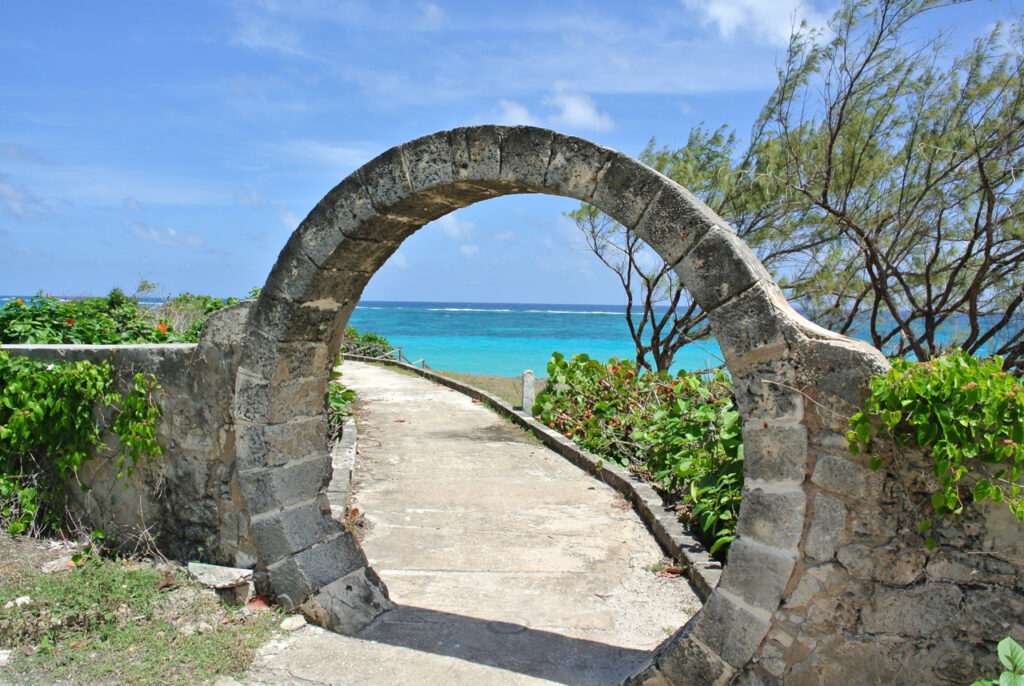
(455, 228)
(767, 21)
(132, 204)
(289, 220)
(468, 251)
(250, 198)
(398, 261)
(165, 237)
(22, 203)
(20, 153)
(576, 110)
(318, 152)
(514, 114)
(431, 16)
(508, 235)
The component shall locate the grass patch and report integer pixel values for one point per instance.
(117, 621)
(508, 388)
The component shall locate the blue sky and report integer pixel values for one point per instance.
(182, 142)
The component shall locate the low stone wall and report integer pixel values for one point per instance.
(188, 499)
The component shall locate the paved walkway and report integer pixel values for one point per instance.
(508, 564)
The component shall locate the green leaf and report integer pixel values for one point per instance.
(1010, 679)
(863, 432)
(1011, 654)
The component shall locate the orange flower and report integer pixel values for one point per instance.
(161, 327)
(20, 301)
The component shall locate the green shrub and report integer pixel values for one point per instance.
(682, 432)
(115, 319)
(963, 411)
(48, 428)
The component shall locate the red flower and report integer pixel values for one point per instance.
(161, 327)
(70, 322)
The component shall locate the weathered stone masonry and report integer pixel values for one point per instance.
(827, 581)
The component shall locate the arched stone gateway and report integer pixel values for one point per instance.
(823, 574)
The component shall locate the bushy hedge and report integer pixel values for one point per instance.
(114, 319)
(681, 432)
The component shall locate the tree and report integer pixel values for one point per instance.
(910, 160)
(883, 182)
(651, 280)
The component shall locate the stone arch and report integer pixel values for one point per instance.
(794, 380)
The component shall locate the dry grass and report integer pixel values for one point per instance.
(508, 388)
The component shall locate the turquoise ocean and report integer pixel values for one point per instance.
(507, 338)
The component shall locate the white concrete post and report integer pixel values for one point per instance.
(528, 391)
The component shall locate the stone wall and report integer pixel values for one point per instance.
(188, 499)
(827, 581)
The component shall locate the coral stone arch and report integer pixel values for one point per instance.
(777, 360)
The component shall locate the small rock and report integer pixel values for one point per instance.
(18, 602)
(293, 622)
(62, 564)
(214, 576)
(203, 627)
(5, 657)
(226, 681)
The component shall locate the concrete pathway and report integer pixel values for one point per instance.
(508, 564)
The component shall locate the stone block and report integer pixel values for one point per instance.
(828, 523)
(990, 613)
(368, 247)
(847, 478)
(840, 660)
(750, 323)
(266, 490)
(259, 400)
(281, 533)
(757, 574)
(525, 153)
(674, 222)
(259, 445)
(476, 152)
(429, 161)
(277, 362)
(686, 661)
(318, 236)
(729, 629)
(767, 391)
(625, 188)
(385, 179)
(896, 566)
(774, 452)
(350, 603)
(574, 166)
(296, 577)
(973, 568)
(348, 204)
(719, 266)
(288, 321)
(923, 610)
(773, 519)
(293, 271)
